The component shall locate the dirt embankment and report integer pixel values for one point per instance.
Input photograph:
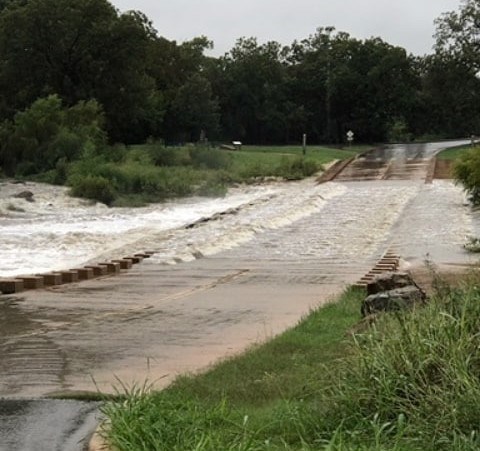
(444, 169)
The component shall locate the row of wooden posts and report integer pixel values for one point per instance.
(31, 282)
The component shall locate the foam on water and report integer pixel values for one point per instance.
(59, 232)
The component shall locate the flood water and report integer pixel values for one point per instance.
(59, 232)
(226, 273)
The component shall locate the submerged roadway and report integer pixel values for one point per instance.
(157, 321)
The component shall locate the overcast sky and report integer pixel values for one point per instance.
(406, 23)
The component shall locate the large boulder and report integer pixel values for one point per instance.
(389, 281)
(402, 298)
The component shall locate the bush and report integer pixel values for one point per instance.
(165, 156)
(416, 375)
(46, 132)
(61, 172)
(297, 168)
(93, 187)
(212, 188)
(467, 172)
(138, 155)
(205, 158)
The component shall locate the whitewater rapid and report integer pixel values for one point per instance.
(56, 231)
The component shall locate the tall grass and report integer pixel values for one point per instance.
(152, 173)
(418, 375)
(412, 382)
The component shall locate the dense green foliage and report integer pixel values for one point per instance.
(467, 171)
(152, 172)
(147, 86)
(409, 383)
(76, 75)
(48, 135)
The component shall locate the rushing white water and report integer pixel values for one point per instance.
(59, 232)
(345, 220)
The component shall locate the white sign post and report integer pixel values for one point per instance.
(350, 136)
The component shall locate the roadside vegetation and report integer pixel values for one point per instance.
(78, 77)
(89, 54)
(153, 172)
(454, 153)
(467, 172)
(53, 143)
(411, 382)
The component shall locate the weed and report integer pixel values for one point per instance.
(94, 187)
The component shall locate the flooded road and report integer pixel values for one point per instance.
(34, 425)
(213, 289)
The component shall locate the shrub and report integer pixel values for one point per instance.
(168, 156)
(203, 157)
(297, 168)
(93, 187)
(138, 155)
(61, 172)
(46, 131)
(416, 375)
(212, 188)
(467, 172)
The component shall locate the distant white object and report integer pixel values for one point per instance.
(350, 136)
(237, 144)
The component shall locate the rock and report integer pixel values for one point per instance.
(197, 254)
(397, 299)
(389, 281)
(27, 195)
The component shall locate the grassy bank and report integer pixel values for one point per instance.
(454, 153)
(410, 383)
(151, 173)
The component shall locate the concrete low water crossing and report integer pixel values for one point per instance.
(223, 284)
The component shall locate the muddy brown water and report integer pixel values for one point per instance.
(159, 320)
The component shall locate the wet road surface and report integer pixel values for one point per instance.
(157, 321)
(34, 425)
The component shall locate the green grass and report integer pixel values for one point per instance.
(318, 153)
(453, 153)
(152, 173)
(410, 383)
(253, 162)
(264, 395)
(244, 400)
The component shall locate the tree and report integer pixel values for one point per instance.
(195, 111)
(250, 82)
(458, 34)
(80, 50)
(47, 132)
(448, 103)
(343, 83)
(176, 70)
(451, 81)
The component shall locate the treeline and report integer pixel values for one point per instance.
(141, 85)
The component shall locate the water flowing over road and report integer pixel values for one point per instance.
(226, 273)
